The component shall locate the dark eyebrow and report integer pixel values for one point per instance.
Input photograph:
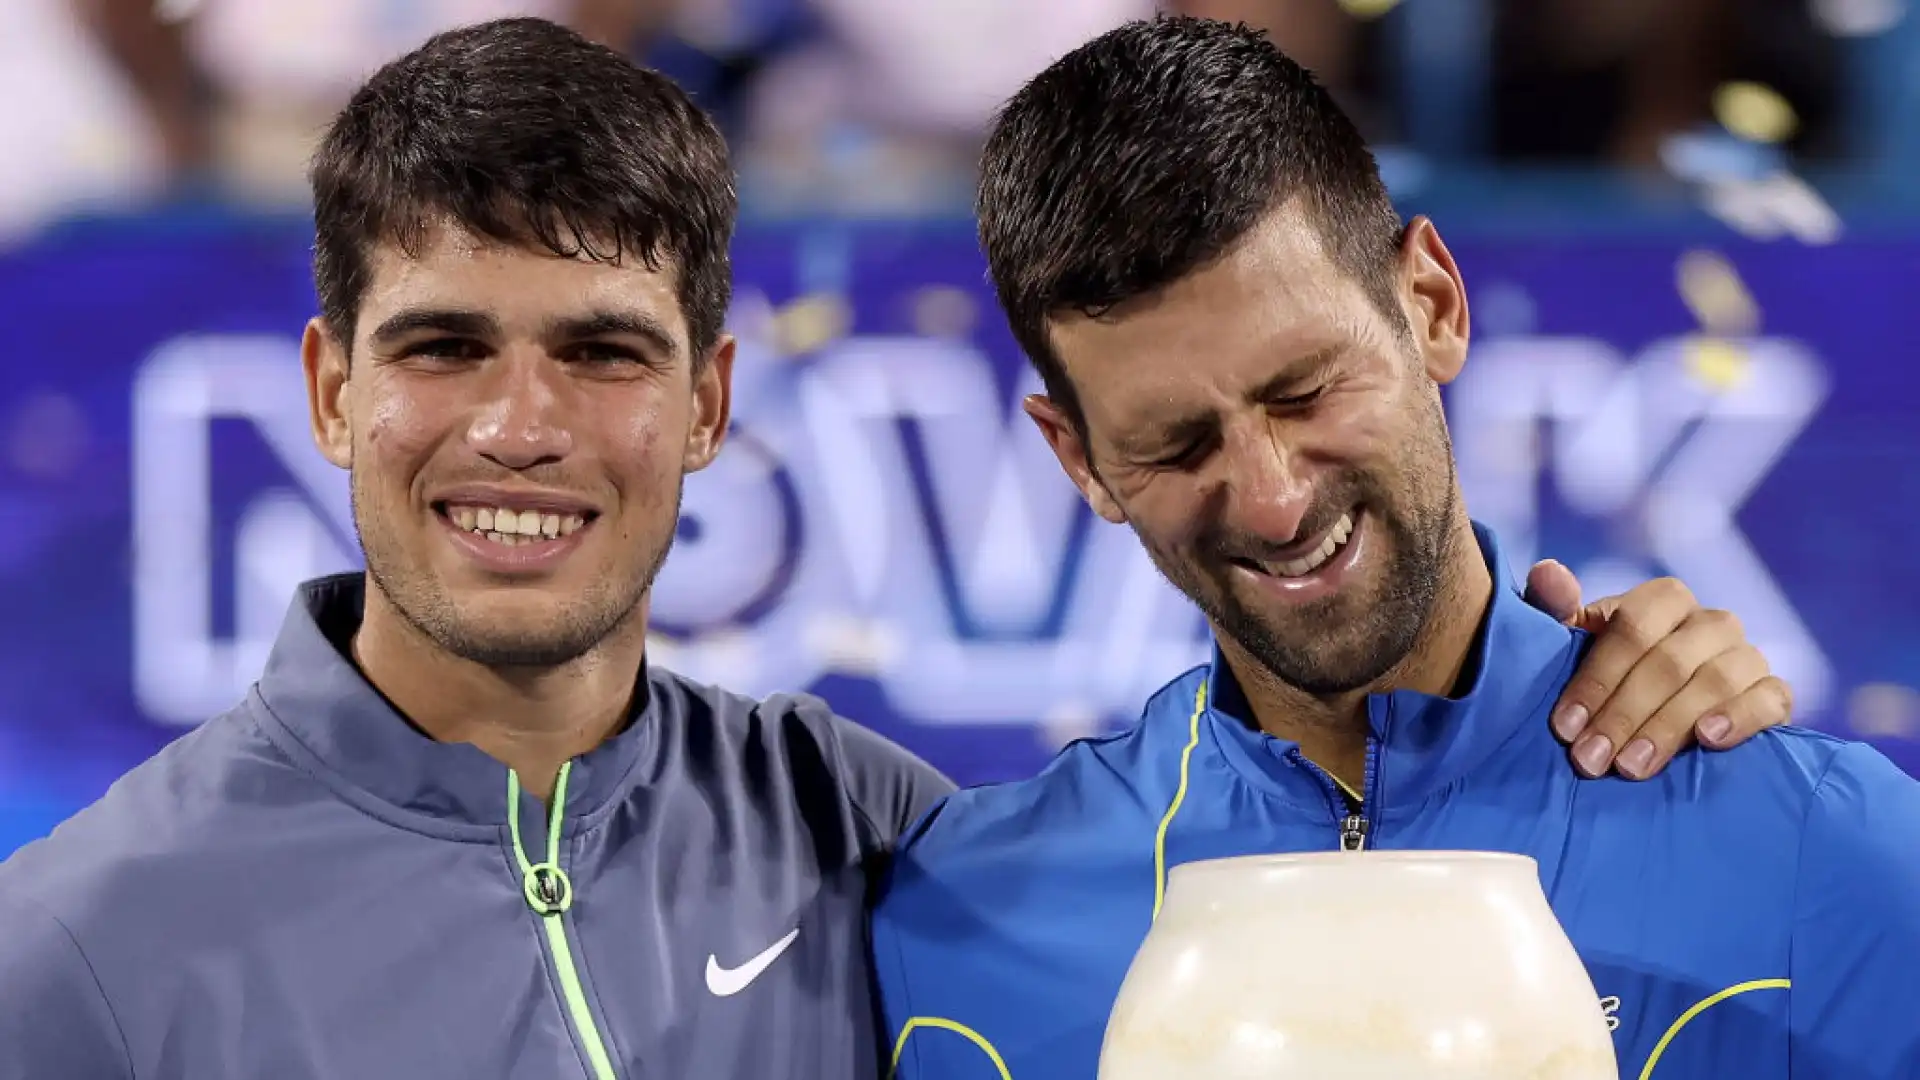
(1290, 377)
(1155, 440)
(453, 321)
(1189, 428)
(601, 324)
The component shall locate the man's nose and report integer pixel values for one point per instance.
(1269, 496)
(519, 424)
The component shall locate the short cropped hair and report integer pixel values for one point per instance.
(523, 132)
(1143, 155)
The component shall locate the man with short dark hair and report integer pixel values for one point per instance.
(1243, 350)
(461, 828)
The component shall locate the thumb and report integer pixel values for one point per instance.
(1552, 588)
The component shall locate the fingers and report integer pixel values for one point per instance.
(1653, 681)
(1643, 618)
(1554, 589)
(1767, 703)
(1648, 749)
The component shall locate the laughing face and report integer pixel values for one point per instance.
(518, 426)
(1277, 443)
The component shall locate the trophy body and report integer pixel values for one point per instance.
(1357, 966)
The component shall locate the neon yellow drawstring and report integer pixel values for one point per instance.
(549, 893)
(545, 883)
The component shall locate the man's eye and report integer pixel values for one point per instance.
(446, 349)
(603, 353)
(1187, 455)
(1298, 401)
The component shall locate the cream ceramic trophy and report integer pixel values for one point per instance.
(1357, 966)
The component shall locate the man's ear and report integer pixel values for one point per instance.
(1435, 299)
(1070, 448)
(712, 405)
(324, 358)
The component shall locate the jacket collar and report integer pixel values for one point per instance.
(1521, 660)
(315, 693)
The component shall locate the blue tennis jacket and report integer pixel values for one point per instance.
(1753, 914)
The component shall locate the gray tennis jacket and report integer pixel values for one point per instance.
(307, 888)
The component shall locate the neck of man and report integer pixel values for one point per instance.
(532, 720)
(1332, 730)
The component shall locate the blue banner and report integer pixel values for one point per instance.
(886, 529)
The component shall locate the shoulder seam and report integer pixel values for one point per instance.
(837, 747)
(118, 1029)
(1799, 865)
(1139, 724)
(894, 1048)
(873, 827)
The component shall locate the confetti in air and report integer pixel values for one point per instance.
(811, 323)
(1884, 711)
(944, 312)
(1726, 312)
(1368, 9)
(1754, 112)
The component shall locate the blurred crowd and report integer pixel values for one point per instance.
(876, 105)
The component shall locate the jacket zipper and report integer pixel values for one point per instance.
(1352, 821)
(549, 893)
(1353, 833)
(1353, 829)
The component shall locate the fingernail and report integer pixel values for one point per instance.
(1715, 729)
(1636, 760)
(1593, 754)
(1569, 721)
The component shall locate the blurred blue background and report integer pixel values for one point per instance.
(1687, 227)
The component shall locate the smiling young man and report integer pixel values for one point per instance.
(1243, 349)
(461, 828)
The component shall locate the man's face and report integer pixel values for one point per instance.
(1278, 445)
(518, 426)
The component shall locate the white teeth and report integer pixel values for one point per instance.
(1336, 539)
(514, 527)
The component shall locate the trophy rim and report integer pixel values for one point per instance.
(1353, 860)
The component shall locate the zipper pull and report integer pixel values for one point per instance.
(1353, 833)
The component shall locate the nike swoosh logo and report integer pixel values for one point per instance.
(726, 982)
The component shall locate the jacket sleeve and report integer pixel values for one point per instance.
(893, 994)
(923, 995)
(55, 1022)
(1855, 998)
(891, 786)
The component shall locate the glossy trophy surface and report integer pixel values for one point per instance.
(1357, 966)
